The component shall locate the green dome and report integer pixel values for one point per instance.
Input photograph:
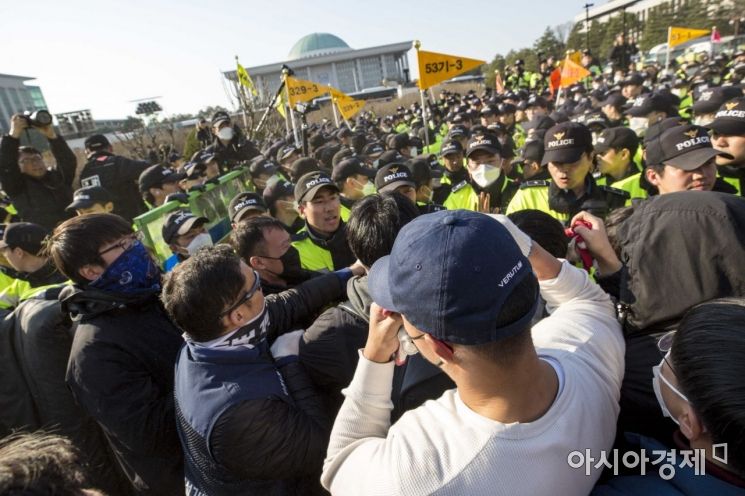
(316, 44)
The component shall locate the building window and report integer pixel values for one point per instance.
(345, 76)
(372, 72)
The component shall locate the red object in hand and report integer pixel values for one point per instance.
(584, 253)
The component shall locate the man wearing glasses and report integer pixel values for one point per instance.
(124, 349)
(39, 193)
(249, 419)
(464, 288)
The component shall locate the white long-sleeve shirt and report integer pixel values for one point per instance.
(443, 447)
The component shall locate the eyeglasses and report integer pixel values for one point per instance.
(124, 244)
(249, 294)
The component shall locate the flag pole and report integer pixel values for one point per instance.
(667, 56)
(417, 44)
(333, 108)
(292, 113)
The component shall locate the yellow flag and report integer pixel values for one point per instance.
(245, 79)
(677, 35)
(572, 72)
(301, 90)
(574, 56)
(279, 104)
(348, 106)
(437, 67)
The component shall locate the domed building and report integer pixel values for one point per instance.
(329, 60)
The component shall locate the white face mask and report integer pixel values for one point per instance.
(703, 120)
(369, 189)
(200, 241)
(639, 125)
(485, 174)
(412, 151)
(225, 134)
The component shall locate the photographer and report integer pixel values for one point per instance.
(39, 193)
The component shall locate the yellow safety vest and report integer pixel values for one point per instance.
(534, 197)
(632, 187)
(312, 256)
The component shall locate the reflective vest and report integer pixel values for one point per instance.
(19, 291)
(533, 195)
(632, 186)
(335, 253)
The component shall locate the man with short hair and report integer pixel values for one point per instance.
(22, 246)
(39, 194)
(247, 415)
(693, 386)
(616, 151)
(91, 200)
(121, 363)
(157, 182)
(728, 136)
(264, 244)
(117, 174)
(491, 189)
(424, 184)
(322, 243)
(525, 398)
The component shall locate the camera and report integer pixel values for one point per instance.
(38, 118)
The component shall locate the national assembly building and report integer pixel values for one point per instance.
(328, 60)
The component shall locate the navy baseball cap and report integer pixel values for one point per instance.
(730, 118)
(89, 196)
(449, 273)
(451, 147)
(683, 147)
(393, 176)
(243, 202)
(566, 142)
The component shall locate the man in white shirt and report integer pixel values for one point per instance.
(458, 288)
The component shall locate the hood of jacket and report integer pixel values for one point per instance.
(85, 303)
(359, 296)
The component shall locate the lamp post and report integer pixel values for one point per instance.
(587, 24)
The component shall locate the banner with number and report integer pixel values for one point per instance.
(245, 79)
(678, 35)
(437, 67)
(348, 106)
(300, 90)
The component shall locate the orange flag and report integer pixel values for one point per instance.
(498, 83)
(571, 72)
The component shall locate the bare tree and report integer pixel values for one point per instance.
(562, 31)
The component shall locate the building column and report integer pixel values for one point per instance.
(334, 76)
(382, 66)
(359, 81)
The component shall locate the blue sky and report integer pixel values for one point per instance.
(102, 54)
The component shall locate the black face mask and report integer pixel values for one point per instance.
(292, 272)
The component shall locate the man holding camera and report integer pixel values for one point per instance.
(39, 193)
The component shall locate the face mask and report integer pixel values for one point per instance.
(132, 272)
(369, 189)
(656, 378)
(292, 272)
(679, 92)
(198, 242)
(413, 151)
(376, 163)
(249, 335)
(225, 134)
(703, 120)
(485, 174)
(428, 193)
(639, 125)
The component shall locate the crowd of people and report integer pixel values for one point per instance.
(511, 292)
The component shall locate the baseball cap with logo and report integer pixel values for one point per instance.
(179, 223)
(244, 202)
(89, 196)
(374, 149)
(566, 142)
(450, 147)
(156, 176)
(277, 189)
(450, 273)
(308, 185)
(390, 157)
(393, 176)
(486, 142)
(653, 102)
(350, 167)
(730, 118)
(617, 138)
(27, 236)
(285, 152)
(683, 147)
(710, 100)
(614, 99)
(263, 166)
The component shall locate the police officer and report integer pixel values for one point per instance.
(117, 174)
(424, 180)
(491, 189)
(91, 200)
(396, 177)
(157, 182)
(322, 243)
(709, 101)
(245, 206)
(354, 181)
(648, 110)
(568, 154)
(455, 178)
(615, 149)
(728, 136)
(185, 233)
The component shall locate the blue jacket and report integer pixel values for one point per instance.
(684, 481)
